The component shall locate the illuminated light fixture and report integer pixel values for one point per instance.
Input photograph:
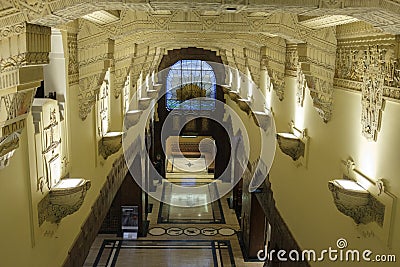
(110, 143)
(353, 200)
(64, 199)
(152, 93)
(294, 144)
(157, 86)
(262, 119)
(103, 16)
(144, 103)
(365, 200)
(189, 136)
(132, 117)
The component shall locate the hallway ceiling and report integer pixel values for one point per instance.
(314, 14)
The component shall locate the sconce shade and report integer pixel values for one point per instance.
(262, 119)
(291, 145)
(356, 202)
(144, 103)
(132, 117)
(110, 143)
(152, 93)
(64, 199)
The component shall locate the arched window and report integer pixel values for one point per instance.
(189, 79)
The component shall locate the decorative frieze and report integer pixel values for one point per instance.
(351, 58)
(32, 46)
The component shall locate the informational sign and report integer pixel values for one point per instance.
(130, 221)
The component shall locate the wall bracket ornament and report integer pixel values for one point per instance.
(321, 92)
(64, 199)
(110, 143)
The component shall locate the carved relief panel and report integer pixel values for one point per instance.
(372, 94)
(48, 138)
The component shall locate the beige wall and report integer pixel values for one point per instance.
(302, 195)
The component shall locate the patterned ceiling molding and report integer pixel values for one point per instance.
(31, 47)
(382, 14)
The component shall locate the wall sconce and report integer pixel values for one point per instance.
(294, 144)
(132, 118)
(364, 200)
(262, 119)
(64, 199)
(144, 103)
(152, 93)
(110, 143)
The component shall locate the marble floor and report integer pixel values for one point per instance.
(190, 238)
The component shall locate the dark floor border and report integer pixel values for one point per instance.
(118, 247)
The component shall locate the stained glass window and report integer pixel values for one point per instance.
(190, 79)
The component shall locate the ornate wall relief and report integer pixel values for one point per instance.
(321, 92)
(73, 67)
(14, 108)
(300, 86)
(273, 60)
(48, 138)
(89, 88)
(350, 63)
(372, 94)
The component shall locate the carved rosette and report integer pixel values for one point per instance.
(372, 96)
(321, 92)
